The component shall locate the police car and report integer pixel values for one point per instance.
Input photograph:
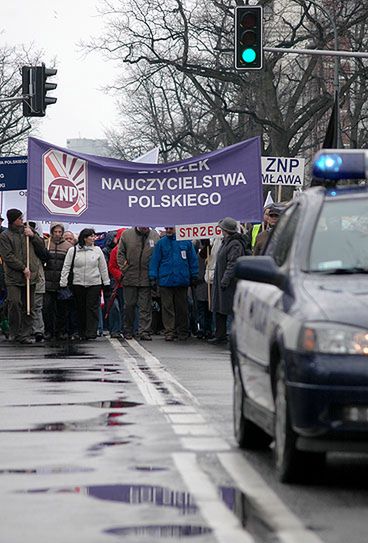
(299, 342)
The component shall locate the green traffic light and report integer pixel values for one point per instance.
(249, 55)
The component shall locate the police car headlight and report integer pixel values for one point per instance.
(332, 338)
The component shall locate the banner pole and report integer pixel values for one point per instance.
(28, 279)
(279, 193)
(208, 282)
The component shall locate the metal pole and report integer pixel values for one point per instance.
(317, 52)
(327, 13)
(18, 99)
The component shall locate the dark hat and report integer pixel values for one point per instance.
(276, 209)
(229, 225)
(13, 214)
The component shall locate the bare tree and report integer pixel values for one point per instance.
(181, 91)
(14, 127)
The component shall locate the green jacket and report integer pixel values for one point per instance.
(13, 251)
(134, 254)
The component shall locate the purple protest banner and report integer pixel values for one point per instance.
(68, 186)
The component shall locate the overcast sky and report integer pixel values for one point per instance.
(82, 110)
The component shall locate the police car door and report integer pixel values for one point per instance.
(264, 311)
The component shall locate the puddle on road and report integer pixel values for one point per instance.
(148, 468)
(69, 350)
(104, 404)
(95, 424)
(249, 517)
(169, 530)
(130, 494)
(98, 447)
(46, 470)
(65, 375)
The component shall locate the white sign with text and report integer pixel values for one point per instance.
(198, 231)
(283, 171)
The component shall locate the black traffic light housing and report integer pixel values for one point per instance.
(248, 48)
(34, 89)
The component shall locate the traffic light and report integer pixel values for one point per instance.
(28, 75)
(248, 48)
(34, 88)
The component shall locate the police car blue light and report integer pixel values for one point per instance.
(328, 163)
(341, 164)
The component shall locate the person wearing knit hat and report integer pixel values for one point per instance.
(232, 247)
(13, 251)
(13, 214)
(229, 225)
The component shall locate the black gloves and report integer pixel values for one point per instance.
(194, 282)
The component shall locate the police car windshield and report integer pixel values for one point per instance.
(340, 241)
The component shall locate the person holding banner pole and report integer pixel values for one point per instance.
(15, 257)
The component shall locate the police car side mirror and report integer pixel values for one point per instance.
(261, 269)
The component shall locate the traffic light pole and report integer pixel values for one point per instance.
(16, 99)
(317, 52)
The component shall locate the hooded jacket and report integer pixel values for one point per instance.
(174, 263)
(57, 254)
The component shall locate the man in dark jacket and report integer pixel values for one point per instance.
(134, 253)
(233, 246)
(13, 251)
(274, 212)
(55, 310)
(174, 266)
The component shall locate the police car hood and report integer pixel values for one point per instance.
(341, 298)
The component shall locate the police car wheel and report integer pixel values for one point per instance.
(288, 459)
(247, 434)
(292, 465)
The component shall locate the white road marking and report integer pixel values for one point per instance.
(178, 409)
(205, 444)
(148, 390)
(192, 418)
(176, 388)
(225, 525)
(195, 430)
(287, 526)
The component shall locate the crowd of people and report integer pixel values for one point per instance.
(57, 286)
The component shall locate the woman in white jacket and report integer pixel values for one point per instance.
(89, 276)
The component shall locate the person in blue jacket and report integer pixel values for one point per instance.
(174, 267)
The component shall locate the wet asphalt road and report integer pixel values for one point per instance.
(113, 441)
